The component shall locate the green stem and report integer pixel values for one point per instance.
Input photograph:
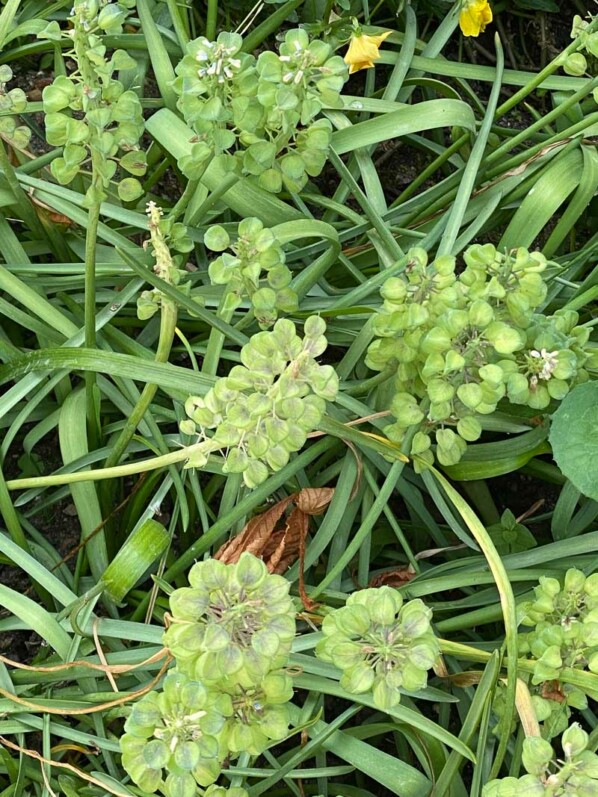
(179, 23)
(540, 77)
(364, 386)
(183, 200)
(118, 472)
(216, 339)
(211, 19)
(93, 220)
(168, 322)
(580, 678)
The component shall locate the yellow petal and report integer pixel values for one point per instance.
(379, 39)
(363, 51)
(474, 17)
(357, 65)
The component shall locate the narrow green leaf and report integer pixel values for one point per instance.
(507, 602)
(409, 119)
(486, 460)
(158, 54)
(72, 431)
(559, 179)
(36, 571)
(169, 377)
(37, 619)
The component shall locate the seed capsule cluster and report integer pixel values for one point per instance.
(461, 343)
(575, 774)
(230, 636)
(564, 620)
(108, 119)
(259, 114)
(254, 252)
(380, 643)
(264, 409)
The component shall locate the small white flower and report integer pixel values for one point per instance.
(549, 359)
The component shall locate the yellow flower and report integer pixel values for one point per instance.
(363, 51)
(474, 17)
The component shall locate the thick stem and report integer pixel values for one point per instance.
(167, 327)
(216, 339)
(93, 220)
(211, 19)
(119, 472)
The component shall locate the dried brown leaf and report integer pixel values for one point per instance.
(553, 690)
(393, 578)
(313, 500)
(464, 679)
(280, 547)
(288, 544)
(255, 536)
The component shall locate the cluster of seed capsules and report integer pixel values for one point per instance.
(258, 115)
(380, 644)
(263, 410)
(563, 633)
(574, 774)
(255, 252)
(459, 343)
(230, 636)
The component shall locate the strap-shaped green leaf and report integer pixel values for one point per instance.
(406, 120)
(559, 179)
(169, 377)
(72, 431)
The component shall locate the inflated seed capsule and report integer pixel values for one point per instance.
(436, 340)
(480, 314)
(255, 474)
(438, 390)
(216, 238)
(504, 338)
(435, 364)
(394, 290)
(227, 434)
(236, 461)
(469, 428)
(539, 398)
(277, 456)
(453, 361)
(480, 256)
(421, 442)
(470, 394)
(240, 378)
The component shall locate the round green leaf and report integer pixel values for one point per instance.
(574, 440)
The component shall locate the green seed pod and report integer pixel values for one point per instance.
(469, 428)
(470, 394)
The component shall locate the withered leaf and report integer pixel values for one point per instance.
(277, 540)
(255, 536)
(393, 578)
